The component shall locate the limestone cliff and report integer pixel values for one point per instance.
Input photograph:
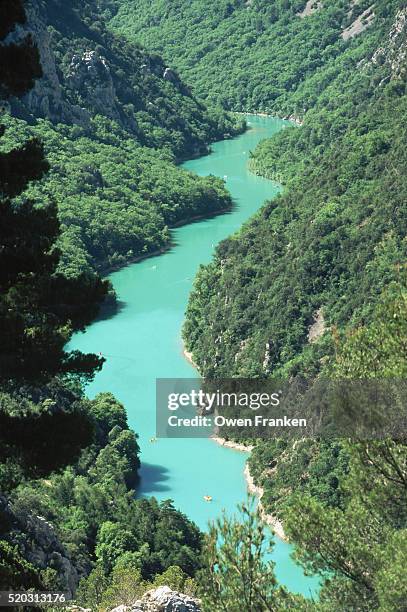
(394, 52)
(46, 98)
(87, 72)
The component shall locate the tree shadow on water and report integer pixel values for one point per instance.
(153, 478)
(110, 308)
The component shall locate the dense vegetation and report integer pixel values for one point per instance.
(246, 55)
(343, 503)
(332, 241)
(86, 512)
(314, 284)
(113, 120)
(68, 465)
(116, 199)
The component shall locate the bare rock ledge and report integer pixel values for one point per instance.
(162, 599)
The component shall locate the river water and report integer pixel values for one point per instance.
(142, 342)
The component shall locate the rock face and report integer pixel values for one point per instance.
(46, 98)
(394, 54)
(74, 88)
(162, 599)
(89, 74)
(310, 8)
(360, 24)
(48, 551)
(46, 95)
(318, 327)
(40, 544)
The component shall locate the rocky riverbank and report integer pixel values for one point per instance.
(269, 519)
(188, 356)
(234, 445)
(292, 118)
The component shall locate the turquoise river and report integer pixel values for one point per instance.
(142, 342)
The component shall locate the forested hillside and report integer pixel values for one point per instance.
(327, 247)
(68, 465)
(250, 55)
(315, 284)
(113, 119)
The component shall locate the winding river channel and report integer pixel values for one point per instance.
(142, 342)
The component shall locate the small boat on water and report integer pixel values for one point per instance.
(153, 439)
(208, 498)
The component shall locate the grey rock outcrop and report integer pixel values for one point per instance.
(310, 8)
(162, 599)
(46, 98)
(85, 76)
(47, 551)
(40, 544)
(394, 53)
(89, 74)
(46, 95)
(69, 93)
(360, 24)
(318, 327)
